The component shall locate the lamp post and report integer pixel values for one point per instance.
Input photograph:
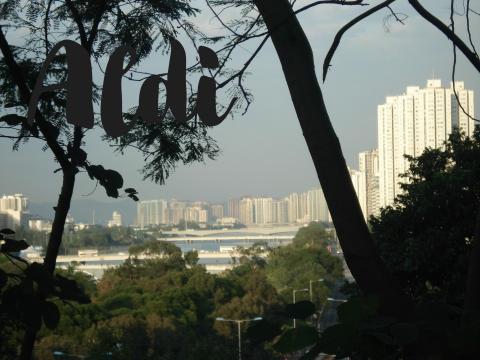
(310, 287)
(294, 300)
(239, 326)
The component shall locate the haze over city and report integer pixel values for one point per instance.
(263, 152)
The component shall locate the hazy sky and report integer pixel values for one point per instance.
(263, 152)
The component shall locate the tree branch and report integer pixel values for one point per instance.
(78, 21)
(344, 29)
(333, 2)
(470, 55)
(25, 94)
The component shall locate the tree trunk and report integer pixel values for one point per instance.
(61, 212)
(296, 57)
(472, 296)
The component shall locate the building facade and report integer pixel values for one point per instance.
(14, 210)
(413, 121)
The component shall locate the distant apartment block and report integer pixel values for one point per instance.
(413, 121)
(152, 213)
(13, 211)
(216, 211)
(248, 210)
(40, 225)
(233, 209)
(116, 220)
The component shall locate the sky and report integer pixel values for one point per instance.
(263, 152)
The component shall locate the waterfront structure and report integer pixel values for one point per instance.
(413, 121)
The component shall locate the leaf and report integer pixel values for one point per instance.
(111, 191)
(7, 231)
(69, 290)
(41, 276)
(133, 197)
(13, 246)
(13, 119)
(131, 191)
(339, 339)
(50, 314)
(96, 172)
(295, 339)
(114, 178)
(263, 330)
(357, 309)
(300, 310)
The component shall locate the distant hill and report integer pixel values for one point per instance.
(82, 210)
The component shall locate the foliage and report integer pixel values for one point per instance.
(433, 219)
(313, 234)
(426, 236)
(306, 259)
(435, 331)
(160, 308)
(29, 294)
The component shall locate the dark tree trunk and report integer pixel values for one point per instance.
(69, 172)
(472, 297)
(296, 57)
(61, 212)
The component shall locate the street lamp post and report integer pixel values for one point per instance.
(294, 300)
(239, 327)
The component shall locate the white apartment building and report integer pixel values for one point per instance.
(317, 209)
(246, 213)
(359, 184)
(368, 167)
(293, 213)
(152, 212)
(14, 210)
(217, 211)
(280, 211)
(263, 210)
(116, 220)
(413, 121)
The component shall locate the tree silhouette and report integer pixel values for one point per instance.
(296, 58)
(99, 27)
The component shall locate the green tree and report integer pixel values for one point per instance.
(313, 234)
(100, 27)
(425, 238)
(293, 266)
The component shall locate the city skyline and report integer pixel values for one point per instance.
(407, 124)
(264, 150)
